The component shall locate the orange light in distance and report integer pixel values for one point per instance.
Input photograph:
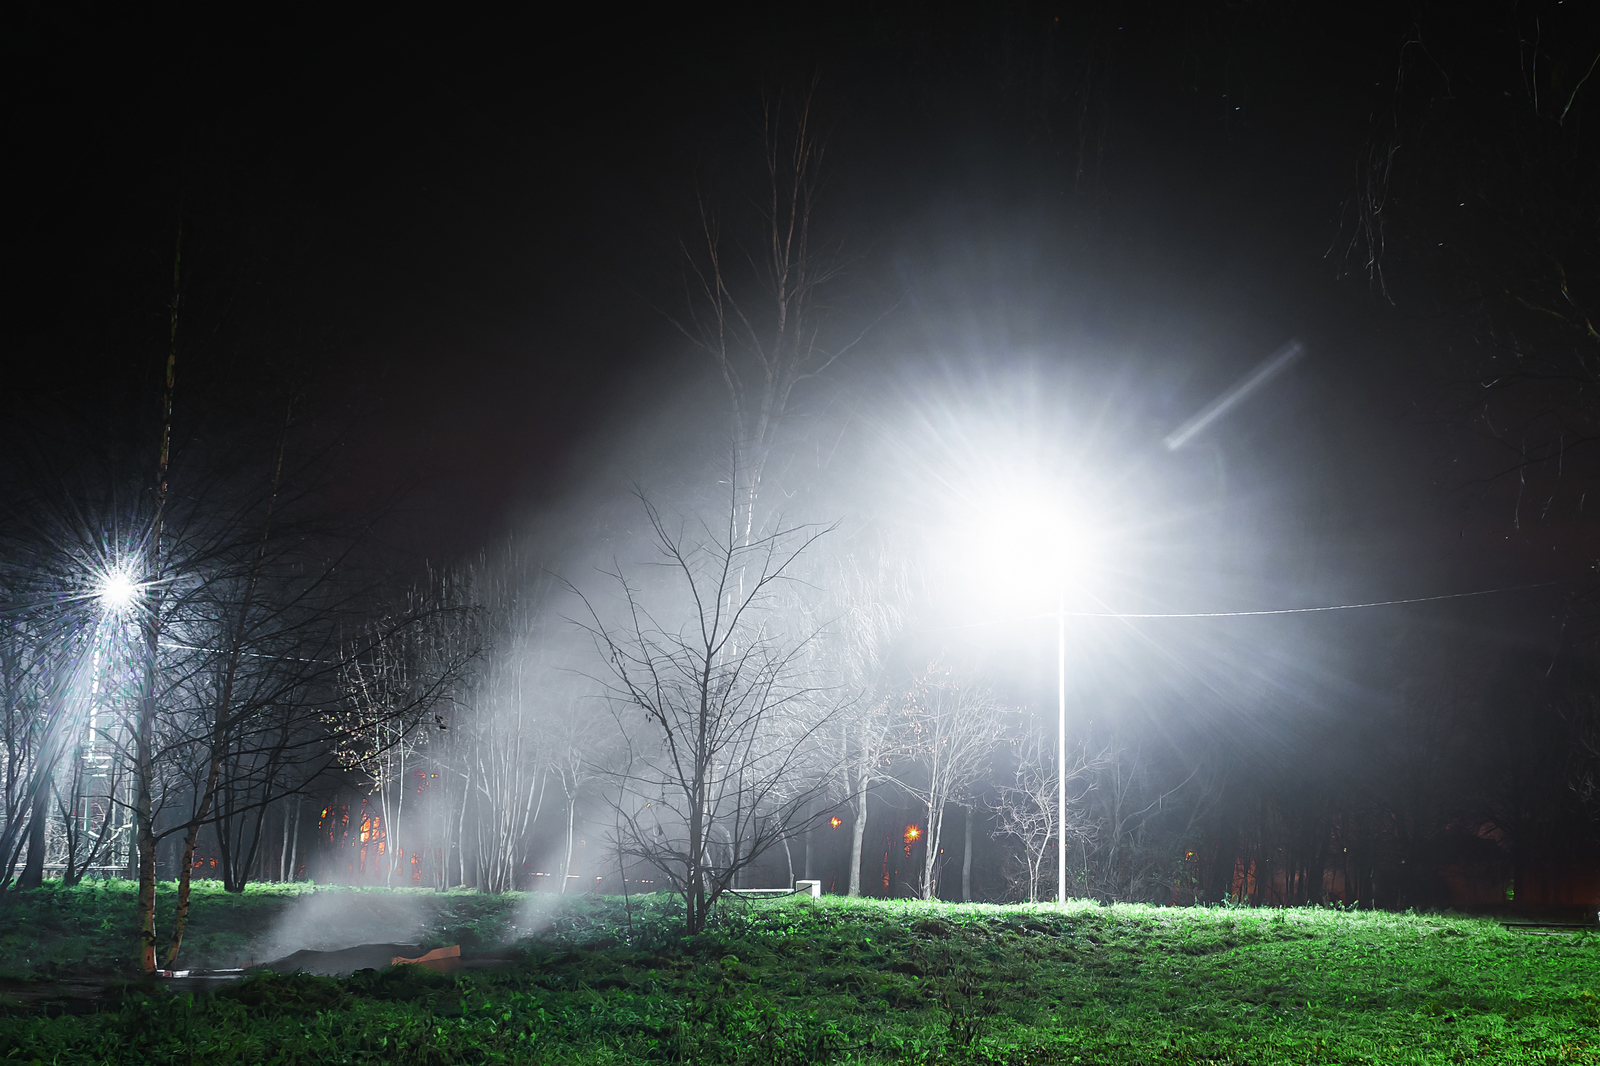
(835, 821)
(912, 833)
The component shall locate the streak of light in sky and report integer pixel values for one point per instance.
(1252, 381)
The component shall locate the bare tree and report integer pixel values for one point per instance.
(88, 813)
(717, 708)
(1582, 713)
(757, 308)
(867, 598)
(21, 666)
(579, 748)
(949, 728)
(394, 679)
(1136, 847)
(512, 738)
(507, 765)
(47, 721)
(1027, 804)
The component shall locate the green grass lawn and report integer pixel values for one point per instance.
(832, 980)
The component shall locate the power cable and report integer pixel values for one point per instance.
(1247, 614)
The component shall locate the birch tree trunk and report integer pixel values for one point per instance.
(858, 833)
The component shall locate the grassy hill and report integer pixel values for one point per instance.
(832, 980)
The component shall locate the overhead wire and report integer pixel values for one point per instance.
(1245, 614)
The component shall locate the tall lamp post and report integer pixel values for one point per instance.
(1029, 522)
(1061, 749)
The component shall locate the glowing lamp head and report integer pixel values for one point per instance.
(912, 833)
(835, 821)
(118, 590)
(1019, 546)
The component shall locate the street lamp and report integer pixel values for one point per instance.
(1025, 539)
(116, 589)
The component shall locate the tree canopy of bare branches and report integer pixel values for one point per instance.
(712, 694)
(755, 287)
(1028, 804)
(950, 727)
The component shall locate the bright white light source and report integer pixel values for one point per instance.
(117, 590)
(1022, 545)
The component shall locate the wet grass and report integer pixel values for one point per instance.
(836, 980)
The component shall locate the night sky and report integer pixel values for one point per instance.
(461, 228)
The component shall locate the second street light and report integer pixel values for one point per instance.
(116, 590)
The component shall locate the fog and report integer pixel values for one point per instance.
(333, 919)
(974, 473)
(657, 474)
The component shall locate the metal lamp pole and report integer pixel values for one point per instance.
(1061, 750)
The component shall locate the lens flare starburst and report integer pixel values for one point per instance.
(117, 590)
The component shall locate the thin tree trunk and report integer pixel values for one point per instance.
(144, 744)
(294, 842)
(531, 816)
(391, 831)
(283, 852)
(1222, 866)
(70, 873)
(566, 866)
(480, 871)
(186, 868)
(461, 829)
(144, 804)
(966, 862)
(858, 845)
(242, 868)
(33, 868)
(930, 853)
(292, 837)
(144, 778)
(223, 828)
(694, 887)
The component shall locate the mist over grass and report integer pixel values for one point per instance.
(330, 920)
(875, 981)
(84, 930)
